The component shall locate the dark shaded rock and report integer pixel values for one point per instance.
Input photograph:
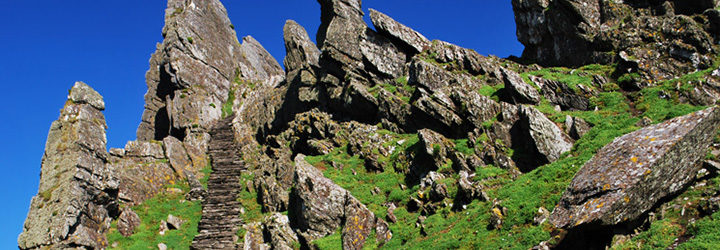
(435, 146)
(127, 222)
(277, 226)
(518, 89)
(630, 175)
(660, 40)
(254, 237)
(174, 222)
(576, 127)
(272, 197)
(545, 140)
(409, 37)
(78, 192)
(561, 94)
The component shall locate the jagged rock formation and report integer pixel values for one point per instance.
(659, 39)
(221, 210)
(77, 197)
(432, 137)
(631, 174)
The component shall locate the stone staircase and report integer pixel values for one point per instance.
(220, 209)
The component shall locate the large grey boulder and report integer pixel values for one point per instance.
(319, 207)
(518, 89)
(546, 139)
(77, 196)
(631, 174)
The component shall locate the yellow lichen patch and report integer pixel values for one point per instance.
(634, 159)
(606, 187)
(497, 212)
(626, 199)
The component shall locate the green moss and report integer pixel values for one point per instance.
(151, 212)
(190, 39)
(333, 241)
(227, 107)
(661, 235)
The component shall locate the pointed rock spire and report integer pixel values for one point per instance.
(77, 193)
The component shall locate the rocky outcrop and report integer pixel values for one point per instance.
(318, 207)
(77, 197)
(391, 28)
(220, 213)
(127, 222)
(630, 175)
(545, 140)
(662, 37)
(301, 51)
(192, 71)
(518, 89)
(561, 94)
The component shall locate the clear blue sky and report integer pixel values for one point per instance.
(48, 45)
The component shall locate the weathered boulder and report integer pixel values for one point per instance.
(630, 175)
(278, 228)
(408, 37)
(254, 237)
(383, 55)
(559, 93)
(518, 89)
(77, 196)
(127, 222)
(545, 139)
(272, 197)
(576, 127)
(174, 222)
(318, 207)
(428, 75)
(177, 155)
(144, 149)
(462, 59)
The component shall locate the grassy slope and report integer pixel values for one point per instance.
(523, 196)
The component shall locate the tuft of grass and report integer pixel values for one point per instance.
(228, 105)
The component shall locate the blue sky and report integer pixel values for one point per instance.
(48, 45)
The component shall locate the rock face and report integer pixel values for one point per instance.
(78, 192)
(319, 207)
(191, 72)
(631, 174)
(580, 32)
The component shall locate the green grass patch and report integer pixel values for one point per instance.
(151, 212)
